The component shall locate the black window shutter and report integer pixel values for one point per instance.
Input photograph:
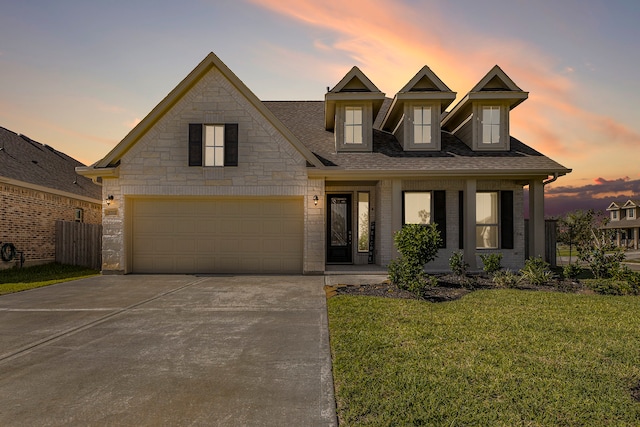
(460, 219)
(440, 214)
(506, 219)
(231, 144)
(195, 144)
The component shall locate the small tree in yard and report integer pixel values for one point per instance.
(580, 230)
(418, 245)
(457, 264)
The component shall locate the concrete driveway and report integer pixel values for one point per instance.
(167, 350)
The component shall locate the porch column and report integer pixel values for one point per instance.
(469, 223)
(618, 238)
(635, 238)
(396, 212)
(536, 219)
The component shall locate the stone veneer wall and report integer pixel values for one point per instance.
(157, 165)
(28, 217)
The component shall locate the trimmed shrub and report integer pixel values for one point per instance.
(418, 245)
(491, 263)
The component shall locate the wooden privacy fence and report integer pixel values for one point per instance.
(78, 243)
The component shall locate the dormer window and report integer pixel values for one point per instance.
(349, 110)
(481, 118)
(414, 114)
(353, 125)
(422, 125)
(491, 124)
(631, 213)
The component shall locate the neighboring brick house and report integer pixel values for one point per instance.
(39, 185)
(624, 220)
(214, 180)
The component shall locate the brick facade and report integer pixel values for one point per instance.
(28, 216)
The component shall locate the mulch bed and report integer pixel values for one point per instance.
(450, 287)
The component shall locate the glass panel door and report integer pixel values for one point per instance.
(339, 235)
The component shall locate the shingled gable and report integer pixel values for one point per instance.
(108, 165)
(354, 86)
(425, 85)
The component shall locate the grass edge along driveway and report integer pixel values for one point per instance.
(22, 279)
(493, 358)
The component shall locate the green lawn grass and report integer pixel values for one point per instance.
(20, 279)
(493, 358)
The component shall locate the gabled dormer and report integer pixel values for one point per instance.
(614, 211)
(350, 109)
(481, 118)
(414, 115)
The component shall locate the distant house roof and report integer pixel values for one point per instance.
(305, 119)
(25, 160)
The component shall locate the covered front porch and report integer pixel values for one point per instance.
(361, 217)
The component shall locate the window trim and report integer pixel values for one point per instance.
(217, 158)
(422, 126)
(354, 125)
(497, 225)
(492, 125)
(503, 143)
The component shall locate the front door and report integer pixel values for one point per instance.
(339, 236)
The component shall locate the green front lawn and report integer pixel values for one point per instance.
(20, 279)
(493, 358)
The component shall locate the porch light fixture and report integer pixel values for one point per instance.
(315, 200)
(109, 199)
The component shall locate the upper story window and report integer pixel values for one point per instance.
(490, 124)
(422, 125)
(614, 214)
(631, 213)
(214, 145)
(353, 125)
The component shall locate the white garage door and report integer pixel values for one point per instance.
(221, 235)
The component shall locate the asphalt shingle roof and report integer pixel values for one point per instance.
(23, 159)
(305, 119)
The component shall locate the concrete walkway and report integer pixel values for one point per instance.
(167, 350)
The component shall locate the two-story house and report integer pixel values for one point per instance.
(215, 180)
(624, 220)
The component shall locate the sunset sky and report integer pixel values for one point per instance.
(78, 75)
